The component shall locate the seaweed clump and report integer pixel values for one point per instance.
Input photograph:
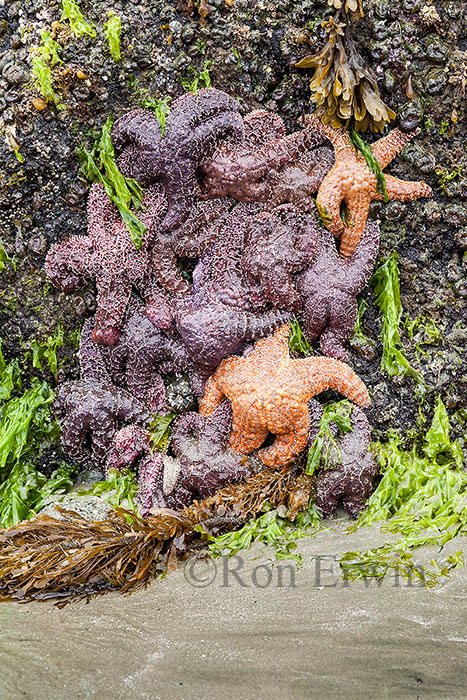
(343, 87)
(73, 558)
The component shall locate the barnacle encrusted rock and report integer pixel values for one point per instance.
(351, 478)
(269, 392)
(328, 288)
(194, 127)
(351, 181)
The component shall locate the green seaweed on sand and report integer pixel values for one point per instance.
(119, 489)
(422, 496)
(124, 192)
(72, 558)
(272, 529)
(27, 490)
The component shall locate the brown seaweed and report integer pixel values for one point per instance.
(71, 558)
(343, 87)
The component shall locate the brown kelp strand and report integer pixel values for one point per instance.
(71, 558)
(343, 87)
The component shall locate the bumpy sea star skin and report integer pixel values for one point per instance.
(139, 355)
(194, 127)
(352, 478)
(212, 329)
(247, 170)
(269, 392)
(108, 255)
(298, 181)
(94, 406)
(351, 181)
(277, 244)
(221, 270)
(129, 444)
(202, 465)
(328, 288)
(205, 463)
(190, 240)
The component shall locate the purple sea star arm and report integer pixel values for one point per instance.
(194, 127)
(352, 478)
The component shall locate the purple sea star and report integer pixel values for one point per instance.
(195, 126)
(94, 406)
(328, 288)
(352, 478)
(201, 466)
(277, 244)
(247, 170)
(213, 330)
(139, 355)
(108, 255)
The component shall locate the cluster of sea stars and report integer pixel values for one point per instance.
(236, 195)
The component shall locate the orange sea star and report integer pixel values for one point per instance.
(351, 181)
(269, 392)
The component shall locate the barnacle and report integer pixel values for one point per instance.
(342, 86)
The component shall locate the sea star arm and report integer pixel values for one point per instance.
(405, 191)
(217, 427)
(186, 429)
(279, 290)
(386, 148)
(359, 266)
(91, 362)
(158, 303)
(179, 182)
(288, 443)
(328, 202)
(164, 264)
(274, 348)
(213, 395)
(144, 382)
(321, 373)
(359, 206)
(342, 318)
(113, 295)
(248, 433)
(339, 139)
(73, 432)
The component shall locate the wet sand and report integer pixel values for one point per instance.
(318, 638)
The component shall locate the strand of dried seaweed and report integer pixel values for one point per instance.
(72, 558)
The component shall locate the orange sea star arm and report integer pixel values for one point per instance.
(406, 191)
(339, 139)
(359, 205)
(389, 146)
(321, 373)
